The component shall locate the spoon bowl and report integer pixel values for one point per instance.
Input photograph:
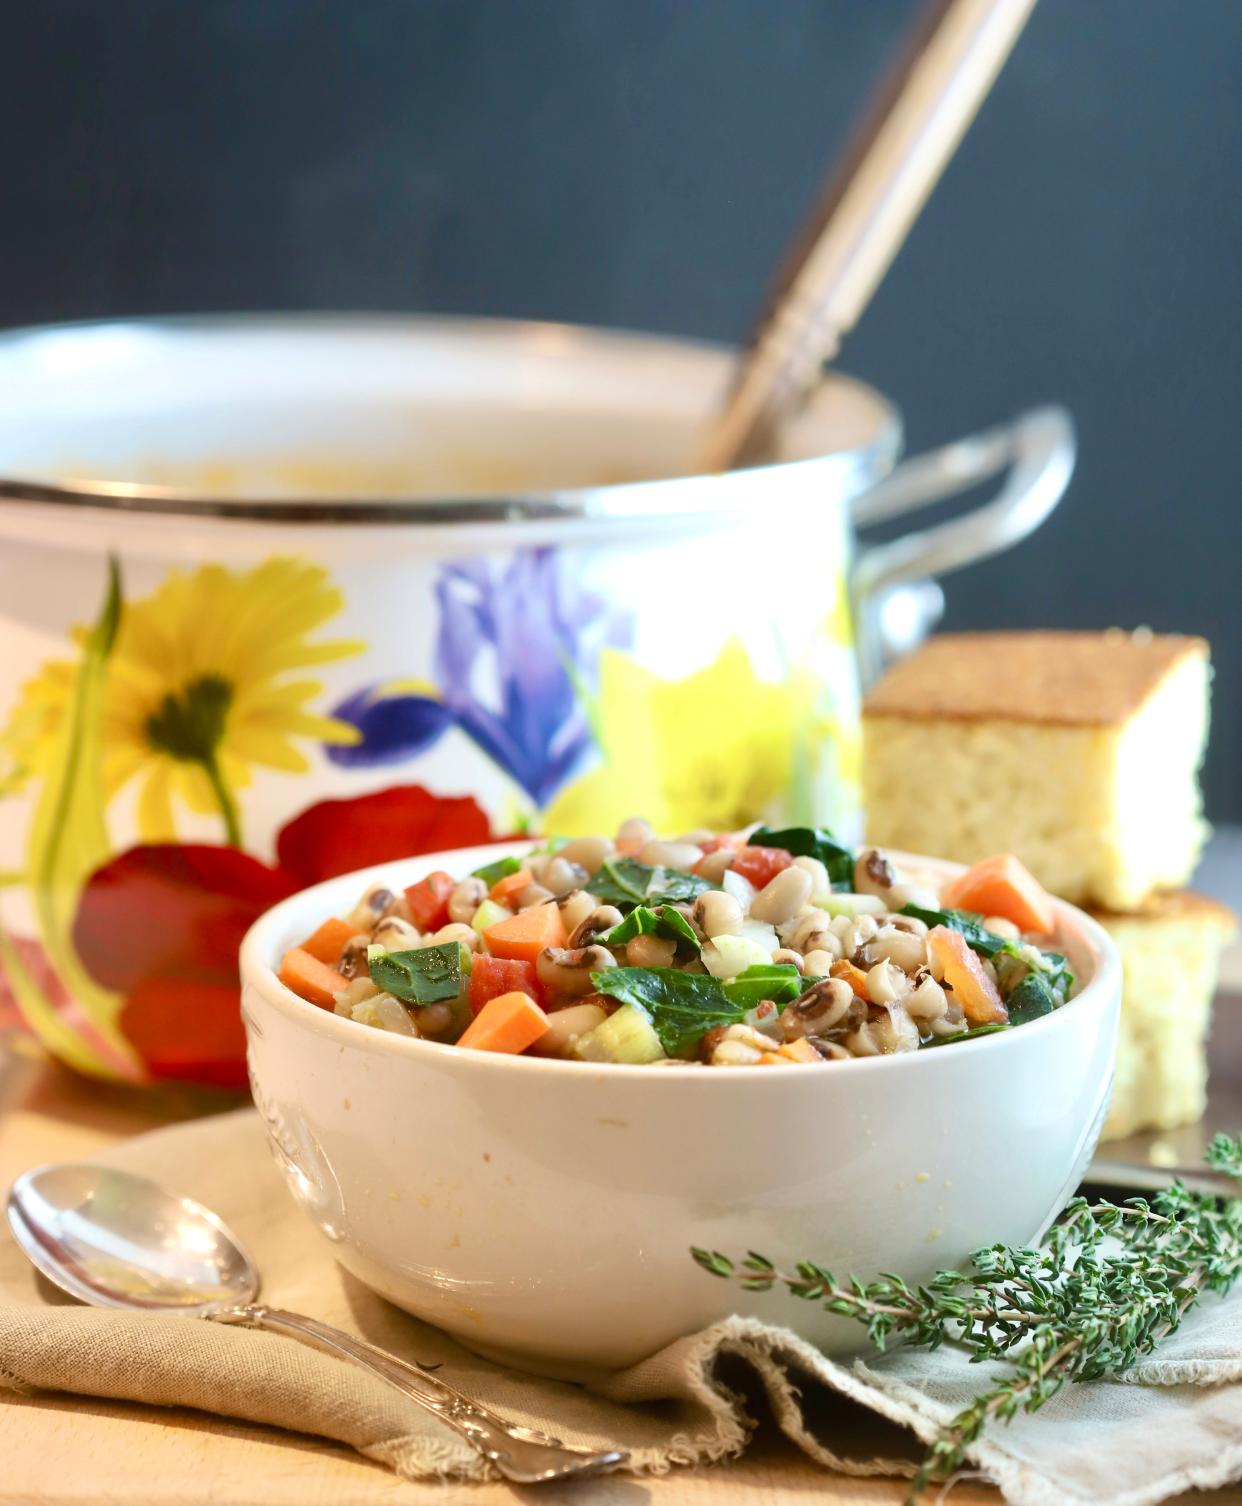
(116, 1240)
(112, 1239)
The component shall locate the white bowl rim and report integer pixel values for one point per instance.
(258, 949)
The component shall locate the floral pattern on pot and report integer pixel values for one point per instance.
(160, 926)
(197, 691)
(131, 970)
(713, 750)
(515, 656)
(148, 844)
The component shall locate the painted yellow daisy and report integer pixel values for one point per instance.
(201, 688)
(712, 750)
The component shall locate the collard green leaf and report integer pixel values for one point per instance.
(682, 1007)
(965, 1035)
(811, 842)
(492, 873)
(1057, 972)
(986, 943)
(779, 981)
(661, 921)
(623, 882)
(1033, 997)
(424, 976)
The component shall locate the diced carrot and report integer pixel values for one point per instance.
(800, 1050)
(964, 973)
(428, 900)
(504, 889)
(854, 976)
(1003, 886)
(524, 936)
(509, 1022)
(312, 979)
(794, 1052)
(328, 941)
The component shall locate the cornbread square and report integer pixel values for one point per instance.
(1076, 751)
(1170, 956)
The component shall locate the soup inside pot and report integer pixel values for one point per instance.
(378, 409)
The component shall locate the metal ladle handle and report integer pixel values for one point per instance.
(917, 117)
(520, 1454)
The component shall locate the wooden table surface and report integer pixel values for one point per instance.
(66, 1451)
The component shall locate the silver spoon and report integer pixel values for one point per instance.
(116, 1240)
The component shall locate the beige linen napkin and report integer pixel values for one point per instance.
(1175, 1423)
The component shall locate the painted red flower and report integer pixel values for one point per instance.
(336, 836)
(162, 924)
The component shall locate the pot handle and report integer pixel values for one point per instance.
(1037, 449)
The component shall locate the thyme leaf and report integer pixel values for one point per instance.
(1109, 1282)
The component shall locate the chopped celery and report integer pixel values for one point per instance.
(850, 904)
(488, 913)
(727, 956)
(626, 1036)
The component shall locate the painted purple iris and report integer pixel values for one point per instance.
(516, 652)
(393, 727)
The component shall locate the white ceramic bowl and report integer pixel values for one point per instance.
(543, 1211)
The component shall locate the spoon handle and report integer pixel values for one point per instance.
(520, 1454)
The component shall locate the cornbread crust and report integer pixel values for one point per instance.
(1170, 951)
(1177, 905)
(1051, 678)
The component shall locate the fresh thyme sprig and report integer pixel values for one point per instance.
(1109, 1282)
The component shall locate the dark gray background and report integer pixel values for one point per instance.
(642, 163)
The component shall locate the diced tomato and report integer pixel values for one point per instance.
(428, 900)
(492, 976)
(714, 844)
(761, 864)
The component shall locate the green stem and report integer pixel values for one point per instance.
(228, 806)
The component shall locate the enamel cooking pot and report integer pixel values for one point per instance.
(282, 597)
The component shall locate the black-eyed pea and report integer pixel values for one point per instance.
(716, 864)
(465, 899)
(565, 972)
(908, 951)
(817, 964)
(820, 882)
(782, 897)
(1000, 925)
(531, 895)
(717, 913)
(396, 935)
(589, 852)
(635, 830)
(650, 951)
(873, 873)
(598, 922)
(575, 908)
(682, 855)
(457, 931)
(562, 877)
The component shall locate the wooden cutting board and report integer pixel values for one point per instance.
(71, 1451)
